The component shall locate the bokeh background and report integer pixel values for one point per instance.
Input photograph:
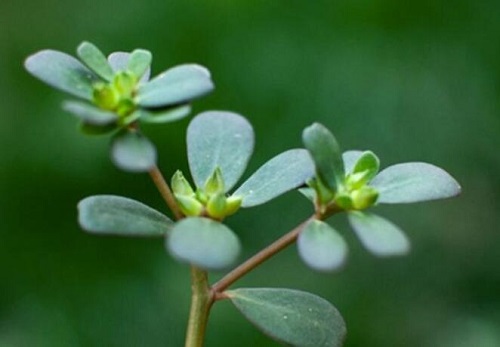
(411, 80)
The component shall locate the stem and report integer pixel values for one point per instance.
(165, 191)
(258, 259)
(201, 302)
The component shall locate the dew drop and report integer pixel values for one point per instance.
(285, 317)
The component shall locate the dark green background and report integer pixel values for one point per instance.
(411, 80)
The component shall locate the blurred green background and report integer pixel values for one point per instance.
(411, 80)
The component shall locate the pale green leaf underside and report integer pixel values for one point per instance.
(180, 84)
(62, 71)
(350, 158)
(170, 115)
(378, 235)
(89, 113)
(326, 154)
(413, 182)
(116, 215)
(131, 151)
(95, 60)
(282, 173)
(219, 139)
(119, 61)
(293, 317)
(321, 247)
(203, 242)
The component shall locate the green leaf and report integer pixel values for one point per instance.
(177, 85)
(131, 151)
(378, 235)
(62, 71)
(282, 173)
(139, 62)
(321, 247)
(90, 114)
(413, 182)
(95, 60)
(326, 154)
(292, 317)
(119, 61)
(166, 116)
(92, 129)
(219, 139)
(367, 163)
(203, 242)
(350, 158)
(116, 215)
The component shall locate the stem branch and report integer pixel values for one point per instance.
(258, 259)
(165, 191)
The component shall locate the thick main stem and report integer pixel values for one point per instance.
(257, 259)
(201, 301)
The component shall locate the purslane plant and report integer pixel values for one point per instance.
(118, 96)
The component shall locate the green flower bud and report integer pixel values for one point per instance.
(125, 107)
(189, 205)
(180, 186)
(364, 197)
(233, 204)
(124, 83)
(323, 193)
(216, 206)
(215, 183)
(357, 180)
(105, 96)
(344, 201)
(201, 196)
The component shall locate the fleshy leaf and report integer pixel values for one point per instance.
(350, 158)
(116, 215)
(177, 85)
(119, 62)
(139, 62)
(292, 317)
(367, 163)
(131, 151)
(62, 71)
(282, 173)
(203, 242)
(378, 235)
(219, 139)
(95, 60)
(170, 115)
(92, 129)
(413, 182)
(326, 154)
(321, 247)
(90, 114)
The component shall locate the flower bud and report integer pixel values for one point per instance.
(364, 197)
(105, 96)
(180, 185)
(233, 204)
(215, 183)
(189, 205)
(216, 206)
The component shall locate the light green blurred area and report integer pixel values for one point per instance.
(412, 81)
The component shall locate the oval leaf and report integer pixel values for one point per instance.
(139, 62)
(413, 182)
(219, 139)
(326, 154)
(90, 114)
(378, 235)
(282, 173)
(62, 71)
(170, 115)
(131, 151)
(95, 60)
(290, 316)
(203, 242)
(321, 247)
(367, 162)
(177, 85)
(119, 61)
(116, 215)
